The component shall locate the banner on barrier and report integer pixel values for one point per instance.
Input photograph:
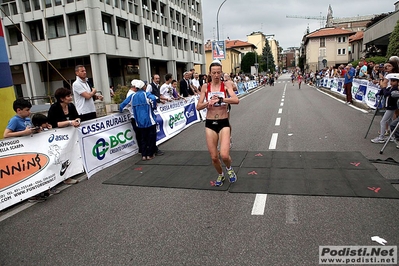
(106, 141)
(362, 90)
(33, 164)
(173, 117)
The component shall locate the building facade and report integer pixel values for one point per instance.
(326, 47)
(116, 40)
(259, 39)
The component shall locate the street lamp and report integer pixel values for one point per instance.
(217, 18)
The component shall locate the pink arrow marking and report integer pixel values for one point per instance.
(374, 189)
(355, 164)
(259, 155)
(138, 168)
(252, 173)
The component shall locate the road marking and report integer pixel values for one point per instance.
(278, 121)
(281, 104)
(273, 141)
(282, 100)
(259, 204)
(280, 111)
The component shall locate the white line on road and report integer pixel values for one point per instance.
(354, 107)
(259, 204)
(281, 104)
(273, 141)
(280, 111)
(278, 121)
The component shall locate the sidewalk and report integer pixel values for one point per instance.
(343, 98)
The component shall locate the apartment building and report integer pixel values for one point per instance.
(326, 47)
(116, 40)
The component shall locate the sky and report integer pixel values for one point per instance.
(239, 18)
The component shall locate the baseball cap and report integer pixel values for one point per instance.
(216, 62)
(381, 65)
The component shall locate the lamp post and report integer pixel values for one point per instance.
(217, 18)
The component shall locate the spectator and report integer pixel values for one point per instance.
(20, 124)
(185, 88)
(154, 88)
(350, 73)
(196, 83)
(84, 95)
(143, 105)
(127, 105)
(41, 122)
(390, 105)
(166, 90)
(111, 91)
(176, 96)
(63, 112)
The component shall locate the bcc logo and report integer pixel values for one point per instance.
(102, 146)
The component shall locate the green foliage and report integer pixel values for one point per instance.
(393, 46)
(267, 59)
(247, 61)
(120, 94)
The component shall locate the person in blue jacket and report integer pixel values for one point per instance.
(143, 106)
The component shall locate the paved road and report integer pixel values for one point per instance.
(95, 224)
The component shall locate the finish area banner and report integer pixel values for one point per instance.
(33, 164)
(106, 141)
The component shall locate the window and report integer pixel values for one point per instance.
(134, 28)
(157, 37)
(322, 52)
(342, 51)
(147, 32)
(14, 35)
(164, 39)
(322, 42)
(26, 4)
(341, 39)
(36, 4)
(56, 27)
(121, 28)
(48, 3)
(123, 4)
(107, 24)
(77, 23)
(57, 2)
(36, 30)
(173, 41)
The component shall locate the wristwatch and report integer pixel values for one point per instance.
(220, 100)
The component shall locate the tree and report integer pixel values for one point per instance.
(267, 59)
(247, 61)
(393, 46)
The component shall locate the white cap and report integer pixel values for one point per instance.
(392, 76)
(137, 83)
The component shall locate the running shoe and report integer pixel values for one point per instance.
(378, 140)
(219, 181)
(232, 175)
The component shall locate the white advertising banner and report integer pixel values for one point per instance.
(362, 90)
(106, 141)
(32, 164)
(173, 117)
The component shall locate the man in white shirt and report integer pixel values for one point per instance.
(166, 90)
(195, 83)
(84, 95)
